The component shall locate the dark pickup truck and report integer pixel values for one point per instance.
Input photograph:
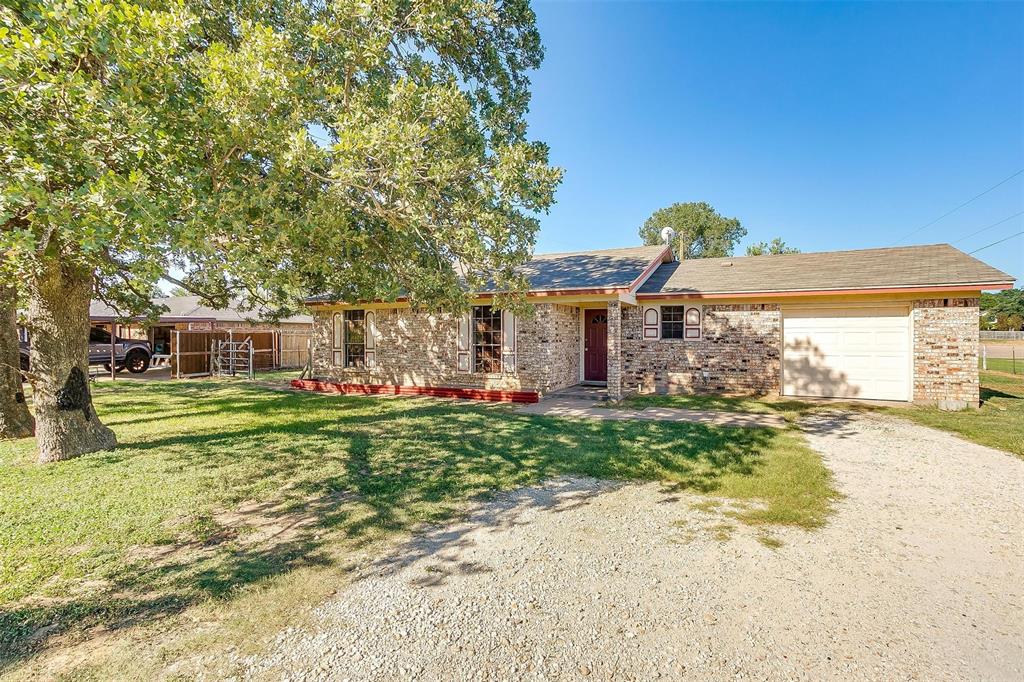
(130, 354)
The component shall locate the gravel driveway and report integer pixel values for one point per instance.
(919, 575)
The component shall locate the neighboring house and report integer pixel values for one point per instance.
(187, 313)
(186, 333)
(894, 324)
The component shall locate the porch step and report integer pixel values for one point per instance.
(580, 392)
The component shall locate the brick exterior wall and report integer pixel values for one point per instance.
(419, 349)
(561, 337)
(615, 355)
(738, 352)
(946, 352)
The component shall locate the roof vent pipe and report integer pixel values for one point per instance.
(667, 236)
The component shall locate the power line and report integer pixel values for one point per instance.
(950, 212)
(989, 227)
(998, 242)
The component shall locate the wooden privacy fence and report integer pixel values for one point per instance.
(191, 354)
(293, 348)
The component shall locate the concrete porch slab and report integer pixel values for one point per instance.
(585, 409)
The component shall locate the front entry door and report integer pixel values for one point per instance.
(595, 345)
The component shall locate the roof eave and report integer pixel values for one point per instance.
(966, 286)
(664, 257)
(612, 290)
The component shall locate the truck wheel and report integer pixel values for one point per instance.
(136, 362)
(106, 368)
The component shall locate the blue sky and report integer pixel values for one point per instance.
(833, 126)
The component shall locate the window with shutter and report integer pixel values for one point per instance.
(681, 322)
(464, 343)
(692, 323)
(652, 323)
(508, 341)
(355, 338)
(338, 343)
(486, 339)
(370, 353)
(672, 323)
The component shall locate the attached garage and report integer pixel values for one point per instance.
(847, 352)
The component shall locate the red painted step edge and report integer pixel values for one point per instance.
(492, 395)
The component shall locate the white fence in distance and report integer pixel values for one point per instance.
(1002, 336)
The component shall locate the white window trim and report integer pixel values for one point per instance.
(465, 351)
(369, 339)
(687, 307)
(338, 330)
(344, 339)
(650, 323)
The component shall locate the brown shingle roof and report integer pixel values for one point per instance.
(907, 266)
(191, 308)
(600, 269)
(578, 270)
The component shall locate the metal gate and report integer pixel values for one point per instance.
(232, 358)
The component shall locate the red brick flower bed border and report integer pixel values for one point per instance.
(434, 391)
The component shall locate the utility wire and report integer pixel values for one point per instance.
(1005, 239)
(977, 196)
(989, 227)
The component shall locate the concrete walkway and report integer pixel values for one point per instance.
(577, 408)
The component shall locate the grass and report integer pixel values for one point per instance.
(770, 541)
(279, 375)
(787, 407)
(229, 509)
(1007, 365)
(998, 422)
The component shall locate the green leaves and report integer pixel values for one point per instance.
(1003, 311)
(356, 148)
(772, 248)
(701, 232)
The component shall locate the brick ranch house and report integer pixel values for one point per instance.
(893, 324)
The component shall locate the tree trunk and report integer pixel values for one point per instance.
(66, 423)
(15, 419)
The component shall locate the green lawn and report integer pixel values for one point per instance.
(998, 423)
(129, 537)
(789, 408)
(1008, 365)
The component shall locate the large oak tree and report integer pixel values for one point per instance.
(700, 230)
(360, 149)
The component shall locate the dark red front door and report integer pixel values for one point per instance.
(595, 345)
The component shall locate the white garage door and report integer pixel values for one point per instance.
(846, 352)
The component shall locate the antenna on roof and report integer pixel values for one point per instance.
(667, 236)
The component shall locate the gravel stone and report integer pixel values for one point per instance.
(919, 574)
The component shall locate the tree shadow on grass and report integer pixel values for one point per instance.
(988, 394)
(353, 470)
